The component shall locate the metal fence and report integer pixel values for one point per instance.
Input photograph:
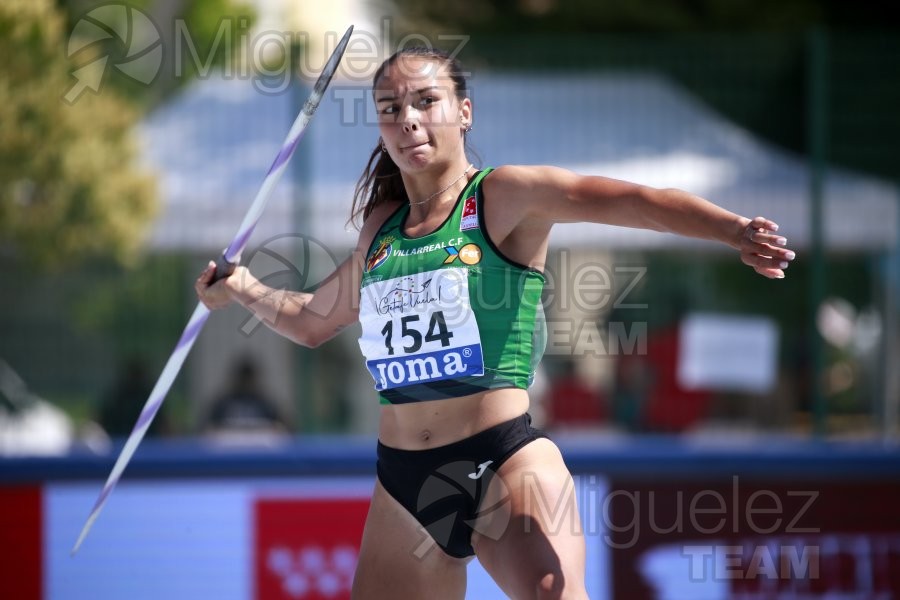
(796, 126)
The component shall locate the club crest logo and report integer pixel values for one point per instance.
(380, 254)
(469, 215)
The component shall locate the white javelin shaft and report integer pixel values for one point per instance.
(232, 254)
(163, 384)
(201, 313)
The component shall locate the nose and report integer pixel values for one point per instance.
(410, 120)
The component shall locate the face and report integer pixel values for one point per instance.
(419, 116)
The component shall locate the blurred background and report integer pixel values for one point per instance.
(134, 135)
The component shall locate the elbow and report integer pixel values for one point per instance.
(306, 339)
(311, 331)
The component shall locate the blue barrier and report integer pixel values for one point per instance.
(340, 455)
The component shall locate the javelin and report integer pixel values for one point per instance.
(224, 266)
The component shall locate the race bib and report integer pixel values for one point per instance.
(420, 329)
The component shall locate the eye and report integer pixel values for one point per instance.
(390, 109)
(427, 100)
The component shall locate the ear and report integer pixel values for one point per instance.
(465, 112)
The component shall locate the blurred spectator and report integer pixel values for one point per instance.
(244, 407)
(571, 402)
(121, 405)
(29, 425)
(670, 407)
(650, 384)
(633, 383)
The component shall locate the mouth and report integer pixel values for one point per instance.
(412, 146)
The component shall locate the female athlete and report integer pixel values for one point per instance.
(446, 282)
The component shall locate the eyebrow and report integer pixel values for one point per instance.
(419, 92)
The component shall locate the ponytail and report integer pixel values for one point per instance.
(378, 184)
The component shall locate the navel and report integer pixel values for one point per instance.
(425, 435)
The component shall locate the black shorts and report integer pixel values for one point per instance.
(443, 487)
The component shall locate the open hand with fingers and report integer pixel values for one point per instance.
(764, 249)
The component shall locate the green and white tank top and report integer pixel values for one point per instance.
(446, 314)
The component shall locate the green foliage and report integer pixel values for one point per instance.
(193, 33)
(135, 309)
(747, 59)
(69, 333)
(216, 30)
(589, 16)
(68, 189)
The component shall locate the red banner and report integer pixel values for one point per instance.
(307, 548)
(748, 540)
(21, 536)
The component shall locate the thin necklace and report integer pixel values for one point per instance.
(439, 192)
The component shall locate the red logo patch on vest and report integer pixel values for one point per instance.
(469, 215)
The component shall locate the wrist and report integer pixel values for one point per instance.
(736, 231)
(241, 284)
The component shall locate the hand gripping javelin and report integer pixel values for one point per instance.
(224, 266)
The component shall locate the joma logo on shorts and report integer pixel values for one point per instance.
(433, 366)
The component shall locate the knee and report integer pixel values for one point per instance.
(553, 586)
(550, 587)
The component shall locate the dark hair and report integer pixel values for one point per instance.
(381, 180)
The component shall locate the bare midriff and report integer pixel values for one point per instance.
(423, 425)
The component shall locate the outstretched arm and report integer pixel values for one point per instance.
(547, 195)
(308, 319)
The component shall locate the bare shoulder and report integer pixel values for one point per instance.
(525, 182)
(516, 201)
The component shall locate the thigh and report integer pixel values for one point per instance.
(536, 549)
(398, 559)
